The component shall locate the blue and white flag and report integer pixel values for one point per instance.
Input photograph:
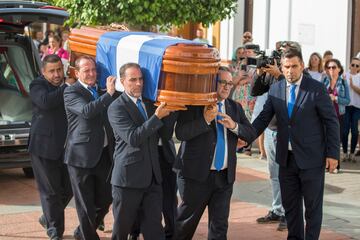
(145, 48)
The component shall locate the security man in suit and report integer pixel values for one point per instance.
(46, 144)
(207, 160)
(90, 145)
(136, 176)
(307, 140)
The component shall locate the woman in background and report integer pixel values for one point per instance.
(315, 66)
(352, 111)
(55, 48)
(338, 90)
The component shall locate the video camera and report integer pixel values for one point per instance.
(261, 59)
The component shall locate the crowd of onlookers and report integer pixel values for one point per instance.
(53, 42)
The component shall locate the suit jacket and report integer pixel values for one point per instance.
(87, 119)
(136, 158)
(313, 128)
(48, 124)
(169, 151)
(197, 149)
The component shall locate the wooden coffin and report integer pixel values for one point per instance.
(188, 71)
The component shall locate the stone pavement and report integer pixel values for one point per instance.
(20, 209)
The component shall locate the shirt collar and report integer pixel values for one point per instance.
(134, 99)
(297, 83)
(222, 101)
(85, 85)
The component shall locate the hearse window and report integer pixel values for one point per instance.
(15, 70)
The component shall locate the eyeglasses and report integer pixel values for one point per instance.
(355, 65)
(331, 67)
(247, 37)
(224, 83)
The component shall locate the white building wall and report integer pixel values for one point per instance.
(238, 24)
(260, 22)
(225, 36)
(231, 31)
(317, 25)
(280, 23)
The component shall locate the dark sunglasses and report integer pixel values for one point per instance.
(248, 37)
(331, 67)
(355, 65)
(224, 83)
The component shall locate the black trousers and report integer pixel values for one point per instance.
(54, 186)
(130, 204)
(215, 193)
(92, 193)
(169, 188)
(169, 199)
(298, 186)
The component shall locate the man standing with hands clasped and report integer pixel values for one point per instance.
(89, 147)
(207, 160)
(307, 141)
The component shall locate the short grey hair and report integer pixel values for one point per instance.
(126, 66)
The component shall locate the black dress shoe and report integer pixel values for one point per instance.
(282, 225)
(357, 153)
(56, 238)
(77, 234)
(42, 221)
(271, 217)
(133, 237)
(101, 226)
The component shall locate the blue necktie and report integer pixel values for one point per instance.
(220, 143)
(292, 99)
(94, 92)
(141, 109)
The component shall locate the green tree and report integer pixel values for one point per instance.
(147, 13)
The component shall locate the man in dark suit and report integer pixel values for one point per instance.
(307, 140)
(46, 145)
(136, 177)
(207, 160)
(89, 148)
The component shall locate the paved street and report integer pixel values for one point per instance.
(20, 209)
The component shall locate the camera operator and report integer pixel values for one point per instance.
(267, 74)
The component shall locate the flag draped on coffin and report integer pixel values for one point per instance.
(117, 48)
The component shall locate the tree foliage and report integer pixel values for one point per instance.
(147, 13)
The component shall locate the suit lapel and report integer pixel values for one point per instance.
(230, 113)
(283, 90)
(300, 97)
(132, 109)
(149, 107)
(83, 91)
